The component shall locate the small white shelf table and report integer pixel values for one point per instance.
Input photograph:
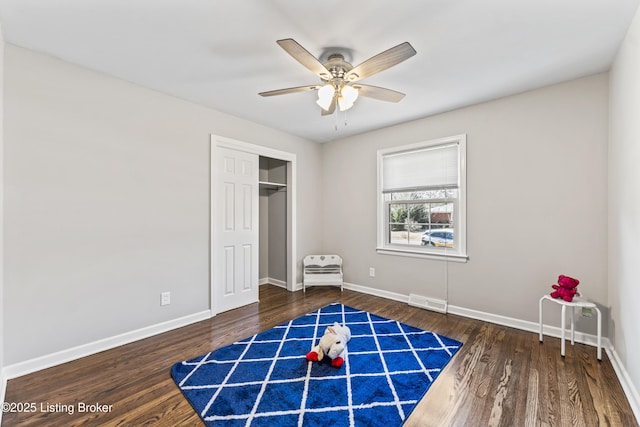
(577, 302)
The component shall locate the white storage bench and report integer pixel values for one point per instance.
(322, 270)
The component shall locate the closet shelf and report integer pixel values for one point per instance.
(272, 185)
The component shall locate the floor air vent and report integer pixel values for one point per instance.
(433, 304)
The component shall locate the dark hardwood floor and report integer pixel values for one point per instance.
(500, 377)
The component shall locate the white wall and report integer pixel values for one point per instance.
(536, 200)
(624, 206)
(1, 217)
(107, 203)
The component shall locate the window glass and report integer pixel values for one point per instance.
(423, 211)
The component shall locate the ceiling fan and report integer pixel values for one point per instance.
(339, 77)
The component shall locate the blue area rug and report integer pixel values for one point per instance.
(265, 380)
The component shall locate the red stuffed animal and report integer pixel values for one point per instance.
(566, 288)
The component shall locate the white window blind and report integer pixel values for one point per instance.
(425, 169)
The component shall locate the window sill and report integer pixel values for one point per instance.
(422, 254)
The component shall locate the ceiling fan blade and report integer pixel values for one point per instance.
(289, 90)
(332, 107)
(379, 93)
(381, 62)
(303, 56)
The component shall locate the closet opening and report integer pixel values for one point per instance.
(253, 222)
(272, 179)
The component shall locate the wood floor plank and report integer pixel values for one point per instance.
(500, 376)
(531, 411)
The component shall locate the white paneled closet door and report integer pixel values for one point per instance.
(235, 259)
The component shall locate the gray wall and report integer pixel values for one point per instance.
(624, 204)
(263, 263)
(107, 203)
(278, 236)
(1, 208)
(278, 224)
(536, 200)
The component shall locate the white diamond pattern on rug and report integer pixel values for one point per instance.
(265, 380)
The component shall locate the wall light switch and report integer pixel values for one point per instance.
(165, 298)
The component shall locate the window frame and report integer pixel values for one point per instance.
(384, 246)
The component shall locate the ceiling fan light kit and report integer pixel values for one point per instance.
(325, 96)
(338, 76)
(346, 96)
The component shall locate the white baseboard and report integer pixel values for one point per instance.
(625, 381)
(28, 366)
(525, 325)
(3, 390)
(630, 391)
(433, 304)
(272, 281)
(377, 292)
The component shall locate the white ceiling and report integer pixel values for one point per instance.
(221, 53)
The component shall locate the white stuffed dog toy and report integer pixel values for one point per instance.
(332, 344)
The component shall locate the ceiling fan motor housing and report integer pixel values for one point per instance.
(337, 65)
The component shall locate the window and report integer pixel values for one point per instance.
(421, 199)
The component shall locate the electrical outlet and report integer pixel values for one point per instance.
(372, 272)
(586, 312)
(165, 298)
